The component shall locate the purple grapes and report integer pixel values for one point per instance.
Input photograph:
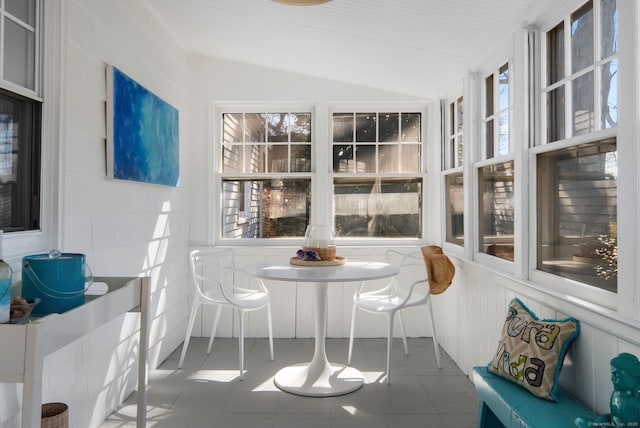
(308, 255)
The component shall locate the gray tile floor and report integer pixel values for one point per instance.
(207, 393)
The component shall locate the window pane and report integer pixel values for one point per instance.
(278, 157)
(460, 150)
(232, 127)
(278, 127)
(555, 115)
(454, 194)
(583, 113)
(365, 158)
(496, 210)
(19, 60)
(255, 158)
(343, 126)
(460, 114)
(276, 208)
(582, 38)
(300, 158)
(411, 127)
(389, 160)
(24, 10)
(300, 127)
(555, 54)
(410, 158)
(609, 98)
(343, 158)
(452, 118)
(503, 134)
(256, 127)
(365, 127)
(489, 139)
(577, 213)
(503, 88)
(389, 127)
(488, 87)
(379, 208)
(232, 158)
(609, 27)
(19, 163)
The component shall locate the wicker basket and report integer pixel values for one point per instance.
(326, 253)
(55, 415)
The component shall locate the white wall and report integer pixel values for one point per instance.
(124, 228)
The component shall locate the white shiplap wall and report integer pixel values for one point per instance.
(124, 228)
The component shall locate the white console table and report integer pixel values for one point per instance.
(24, 346)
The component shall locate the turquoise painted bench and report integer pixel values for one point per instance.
(505, 404)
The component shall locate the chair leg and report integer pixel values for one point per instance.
(389, 344)
(241, 342)
(270, 330)
(433, 330)
(353, 324)
(214, 327)
(404, 336)
(187, 337)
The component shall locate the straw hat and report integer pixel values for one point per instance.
(440, 270)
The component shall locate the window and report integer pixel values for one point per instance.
(19, 163)
(454, 149)
(377, 181)
(496, 213)
(452, 160)
(454, 196)
(577, 230)
(266, 174)
(577, 167)
(581, 88)
(20, 116)
(496, 168)
(496, 115)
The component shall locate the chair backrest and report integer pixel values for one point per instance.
(411, 268)
(212, 271)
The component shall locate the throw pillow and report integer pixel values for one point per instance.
(531, 351)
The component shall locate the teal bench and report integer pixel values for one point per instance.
(505, 404)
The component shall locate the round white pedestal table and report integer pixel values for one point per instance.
(319, 377)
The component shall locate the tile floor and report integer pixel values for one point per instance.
(207, 393)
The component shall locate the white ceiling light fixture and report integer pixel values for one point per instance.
(302, 2)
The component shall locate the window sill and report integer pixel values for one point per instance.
(598, 316)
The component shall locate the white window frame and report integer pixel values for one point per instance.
(328, 167)
(321, 170)
(216, 176)
(449, 166)
(48, 68)
(480, 160)
(625, 302)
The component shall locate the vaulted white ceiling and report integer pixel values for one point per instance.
(418, 47)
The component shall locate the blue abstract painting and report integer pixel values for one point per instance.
(142, 133)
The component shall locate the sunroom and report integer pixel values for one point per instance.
(505, 133)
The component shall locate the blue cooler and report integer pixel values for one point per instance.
(58, 279)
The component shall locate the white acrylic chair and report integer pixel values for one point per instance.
(393, 297)
(213, 273)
